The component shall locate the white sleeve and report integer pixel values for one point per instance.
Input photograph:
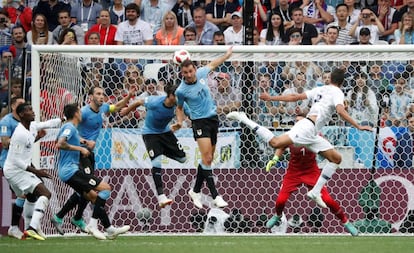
(46, 124)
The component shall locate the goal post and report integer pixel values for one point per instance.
(62, 74)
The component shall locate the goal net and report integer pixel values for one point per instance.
(374, 184)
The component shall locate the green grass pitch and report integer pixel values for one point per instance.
(214, 244)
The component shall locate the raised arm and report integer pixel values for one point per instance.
(340, 109)
(285, 98)
(217, 62)
(133, 106)
(121, 104)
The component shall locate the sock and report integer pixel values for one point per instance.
(16, 214)
(156, 175)
(199, 179)
(208, 175)
(264, 133)
(69, 205)
(99, 212)
(28, 209)
(327, 172)
(39, 210)
(81, 207)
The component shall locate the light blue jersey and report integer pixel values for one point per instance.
(197, 96)
(158, 115)
(68, 161)
(91, 123)
(7, 125)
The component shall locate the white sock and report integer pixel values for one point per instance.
(93, 222)
(265, 134)
(28, 208)
(249, 123)
(327, 172)
(39, 211)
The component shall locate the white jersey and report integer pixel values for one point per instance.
(21, 145)
(324, 100)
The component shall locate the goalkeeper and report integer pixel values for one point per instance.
(303, 169)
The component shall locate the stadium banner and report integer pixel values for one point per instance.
(250, 191)
(395, 148)
(124, 148)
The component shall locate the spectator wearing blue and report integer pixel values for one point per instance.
(85, 14)
(152, 12)
(204, 29)
(117, 12)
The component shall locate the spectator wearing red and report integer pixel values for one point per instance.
(19, 14)
(104, 27)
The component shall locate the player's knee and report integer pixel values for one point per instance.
(105, 194)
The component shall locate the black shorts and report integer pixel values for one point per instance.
(87, 163)
(82, 182)
(206, 128)
(163, 144)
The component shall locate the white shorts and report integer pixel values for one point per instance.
(22, 182)
(303, 133)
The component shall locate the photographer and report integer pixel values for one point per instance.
(368, 19)
(5, 33)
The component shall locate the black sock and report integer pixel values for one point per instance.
(199, 180)
(69, 205)
(16, 214)
(156, 175)
(208, 175)
(81, 207)
(99, 212)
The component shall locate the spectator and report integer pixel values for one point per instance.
(409, 7)
(6, 61)
(308, 31)
(234, 34)
(85, 13)
(219, 13)
(5, 33)
(105, 29)
(259, 14)
(330, 37)
(318, 13)
(341, 12)
(19, 14)
(50, 9)
(266, 110)
(362, 103)
(20, 50)
(15, 92)
(400, 100)
(274, 34)
(295, 36)
(93, 38)
(183, 9)
(117, 12)
(170, 32)
(65, 22)
(189, 36)
(364, 37)
(68, 37)
(152, 12)
(353, 12)
(133, 31)
(40, 34)
(285, 11)
(204, 29)
(405, 33)
(386, 15)
(227, 98)
(218, 38)
(369, 20)
(377, 81)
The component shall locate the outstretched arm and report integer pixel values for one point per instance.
(278, 153)
(217, 62)
(121, 104)
(286, 98)
(340, 109)
(124, 111)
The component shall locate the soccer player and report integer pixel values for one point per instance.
(7, 126)
(89, 129)
(88, 185)
(303, 169)
(326, 100)
(194, 91)
(22, 176)
(158, 135)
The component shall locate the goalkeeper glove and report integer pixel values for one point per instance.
(272, 163)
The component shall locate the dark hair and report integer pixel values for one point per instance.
(63, 34)
(269, 34)
(295, 30)
(64, 11)
(22, 107)
(170, 89)
(150, 81)
(218, 33)
(337, 76)
(92, 89)
(189, 29)
(4, 12)
(13, 100)
(17, 27)
(133, 6)
(69, 110)
(340, 5)
(187, 63)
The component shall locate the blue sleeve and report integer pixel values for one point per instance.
(105, 108)
(180, 97)
(66, 132)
